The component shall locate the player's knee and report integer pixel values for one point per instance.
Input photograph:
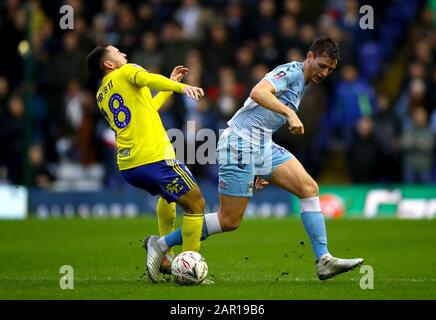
(230, 225)
(310, 189)
(201, 203)
(197, 204)
(228, 222)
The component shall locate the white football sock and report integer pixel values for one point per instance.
(212, 223)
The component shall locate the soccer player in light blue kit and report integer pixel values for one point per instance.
(246, 150)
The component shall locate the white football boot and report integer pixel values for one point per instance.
(329, 266)
(154, 257)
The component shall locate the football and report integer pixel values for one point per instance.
(189, 268)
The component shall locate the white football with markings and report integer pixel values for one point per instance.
(189, 268)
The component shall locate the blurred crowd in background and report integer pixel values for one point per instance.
(372, 121)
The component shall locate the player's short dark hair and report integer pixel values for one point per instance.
(325, 46)
(95, 58)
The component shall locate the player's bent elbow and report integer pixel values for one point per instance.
(255, 94)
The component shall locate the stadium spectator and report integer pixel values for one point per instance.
(11, 33)
(306, 36)
(148, 55)
(108, 20)
(13, 131)
(387, 133)
(235, 20)
(174, 46)
(126, 26)
(310, 147)
(258, 71)
(265, 19)
(69, 62)
(227, 95)
(418, 142)
(353, 98)
(86, 135)
(413, 96)
(217, 53)
(287, 34)
(244, 57)
(41, 175)
(363, 153)
(292, 7)
(193, 19)
(4, 93)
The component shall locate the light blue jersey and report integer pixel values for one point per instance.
(255, 123)
(246, 149)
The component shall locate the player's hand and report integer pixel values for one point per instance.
(295, 125)
(260, 183)
(193, 92)
(178, 73)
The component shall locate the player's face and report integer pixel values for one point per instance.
(320, 68)
(114, 58)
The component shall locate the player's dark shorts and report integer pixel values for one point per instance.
(169, 178)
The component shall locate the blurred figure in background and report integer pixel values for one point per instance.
(4, 94)
(245, 58)
(418, 142)
(149, 55)
(267, 51)
(413, 96)
(174, 46)
(363, 153)
(13, 131)
(387, 133)
(217, 53)
(264, 20)
(193, 18)
(353, 98)
(41, 175)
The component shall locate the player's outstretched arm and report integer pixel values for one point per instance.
(142, 78)
(176, 75)
(263, 95)
(139, 77)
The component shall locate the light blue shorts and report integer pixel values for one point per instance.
(239, 161)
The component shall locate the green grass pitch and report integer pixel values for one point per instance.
(268, 259)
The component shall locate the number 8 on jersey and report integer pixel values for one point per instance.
(116, 111)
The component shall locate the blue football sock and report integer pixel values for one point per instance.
(315, 227)
(175, 238)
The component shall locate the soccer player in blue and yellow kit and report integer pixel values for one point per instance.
(145, 155)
